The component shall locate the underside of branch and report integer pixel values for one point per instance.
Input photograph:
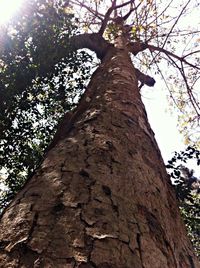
(144, 79)
(94, 42)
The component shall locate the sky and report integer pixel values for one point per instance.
(163, 122)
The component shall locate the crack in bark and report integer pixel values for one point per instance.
(85, 222)
(34, 224)
(138, 238)
(108, 192)
(191, 261)
(87, 165)
(172, 252)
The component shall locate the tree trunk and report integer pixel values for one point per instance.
(102, 197)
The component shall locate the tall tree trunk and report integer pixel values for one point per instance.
(102, 197)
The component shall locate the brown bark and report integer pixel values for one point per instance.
(102, 197)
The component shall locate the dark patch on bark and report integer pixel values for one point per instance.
(116, 209)
(84, 173)
(191, 261)
(106, 190)
(27, 255)
(4, 244)
(110, 145)
(58, 208)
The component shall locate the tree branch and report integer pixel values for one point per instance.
(136, 47)
(95, 13)
(192, 99)
(144, 79)
(125, 4)
(115, 7)
(168, 53)
(176, 21)
(107, 17)
(94, 42)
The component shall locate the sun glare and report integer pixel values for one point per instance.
(8, 8)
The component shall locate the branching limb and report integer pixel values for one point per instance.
(191, 53)
(93, 12)
(168, 53)
(192, 99)
(175, 23)
(107, 17)
(168, 88)
(125, 17)
(114, 7)
(93, 41)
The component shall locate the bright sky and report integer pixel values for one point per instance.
(162, 121)
(8, 8)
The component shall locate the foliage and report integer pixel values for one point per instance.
(187, 188)
(38, 85)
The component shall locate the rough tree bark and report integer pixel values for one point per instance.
(102, 197)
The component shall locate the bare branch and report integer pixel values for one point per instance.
(168, 53)
(171, 30)
(176, 21)
(107, 17)
(161, 13)
(176, 34)
(190, 94)
(167, 86)
(191, 53)
(125, 4)
(93, 12)
(192, 99)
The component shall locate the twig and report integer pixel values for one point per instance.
(191, 53)
(171, 30)
(95, 13)
(183, 9)
(167, 86)
(181, 59)
(161, 13)
(190, 94)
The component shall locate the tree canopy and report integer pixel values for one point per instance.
(170, 46)
(37, 86)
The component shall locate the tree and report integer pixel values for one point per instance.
(187, 187)
(102, 197)
(31, 103)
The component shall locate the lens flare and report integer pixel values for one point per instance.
(8, 8)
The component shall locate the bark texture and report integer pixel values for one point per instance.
(101, 198)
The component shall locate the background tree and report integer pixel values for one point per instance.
(187, 187)
(32, 103)
(25, 247)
